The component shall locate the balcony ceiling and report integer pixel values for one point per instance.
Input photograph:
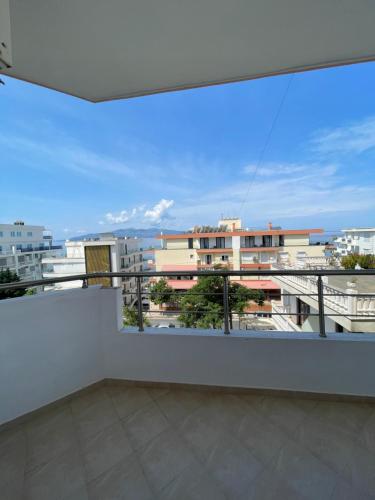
(102, 50)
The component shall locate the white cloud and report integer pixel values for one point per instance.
(355, 138)
(121, 217)
(275, 169)
(315, 190)
(140, 214)
(64, 154)
(159, 211)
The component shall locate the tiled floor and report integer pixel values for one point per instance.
(119, 442)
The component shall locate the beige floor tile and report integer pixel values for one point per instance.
(263, 438)
(207, 488)
(270, 486)
(156, 392)
(348, 417)
(227, 410)
(92, 418)
(128, 400)
(178, 404)
(346, 491)
(139, 443)
(366, 435)
(282, 412)
(85, 399)
(143, 425)
(184, 481)
(49, 435)
(303, 472)
(104, 449)
(164, 458)
(57, 479)
(12, 456)
(200, 433)
(124, 481)
(12, 491)
(342, 453)
(233, 466)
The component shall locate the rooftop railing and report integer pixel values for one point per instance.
(317, 289)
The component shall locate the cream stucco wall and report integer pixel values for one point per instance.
(296, 239)
(178, 257)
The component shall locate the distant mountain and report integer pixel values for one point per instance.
(150, 232)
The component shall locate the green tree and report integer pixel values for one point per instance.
(202, 305)
(365, 261)
(130, 315)
(7, 276)
(162, 293)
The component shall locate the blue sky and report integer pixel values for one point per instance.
(185, 158)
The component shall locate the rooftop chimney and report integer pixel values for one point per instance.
(270, 225)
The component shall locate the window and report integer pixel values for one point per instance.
(190, 242)
(224, 258)
(19, 234)
(267, 241)
(249, 241)
(29, 246)
(1, 248)
(303, 311)
(208, 259)
(19, 246)
(29, 233)
(204, 243)
(1, 234)
(281, 240)
(220, 242)
(13, 234)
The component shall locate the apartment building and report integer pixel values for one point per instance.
(356, 240)
(349, 303)
(22, 248)
(232, 246)
(103, 253)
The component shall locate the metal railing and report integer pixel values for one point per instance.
(40, 248)
(316, 274)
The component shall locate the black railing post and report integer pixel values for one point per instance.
(139, 305)
(322, 326)
(226, 305)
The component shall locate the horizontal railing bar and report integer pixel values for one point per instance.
(269, 313)
(161, 274)
(338, 294)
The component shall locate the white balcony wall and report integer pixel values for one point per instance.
(56, 343)
(50, 346)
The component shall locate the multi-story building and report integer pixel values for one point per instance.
(356, 240)
(236, 248)
(22, 248)
(349, 302)
(103, 253)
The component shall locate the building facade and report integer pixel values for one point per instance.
(349, 303)
(356, 240)
(106, 253)
(229, 245)
(23, 247)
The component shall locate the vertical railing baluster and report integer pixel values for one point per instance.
(226, 305)
(322, 326)
(139, 304)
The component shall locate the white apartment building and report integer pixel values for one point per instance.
(346, 305)
(22, 248)
(104, 253)
(356, 240)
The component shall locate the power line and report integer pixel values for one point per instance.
(260, 159)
